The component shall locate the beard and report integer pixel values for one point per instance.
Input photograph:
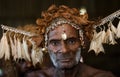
(65, 60)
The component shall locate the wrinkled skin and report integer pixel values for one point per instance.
(64, 53)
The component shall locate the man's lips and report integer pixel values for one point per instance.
(65, 60)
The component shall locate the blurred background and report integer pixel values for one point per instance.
(21, 12)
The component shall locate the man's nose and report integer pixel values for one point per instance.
(64, 48)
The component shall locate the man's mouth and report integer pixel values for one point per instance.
(65, 60)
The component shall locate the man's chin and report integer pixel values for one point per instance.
(66, 65)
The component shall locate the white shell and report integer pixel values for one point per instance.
(64, 36)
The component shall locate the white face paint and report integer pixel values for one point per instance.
(64, 53)
(70, 64)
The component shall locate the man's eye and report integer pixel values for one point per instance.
(55, 43)
(71, 41)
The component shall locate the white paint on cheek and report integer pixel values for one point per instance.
(53, 57)
(78, 55)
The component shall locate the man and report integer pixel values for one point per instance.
(65, 31)
(24, 66)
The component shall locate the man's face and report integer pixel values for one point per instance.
(64, 53)
(24, 66)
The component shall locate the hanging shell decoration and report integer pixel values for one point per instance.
(14, 42)
(105, 36)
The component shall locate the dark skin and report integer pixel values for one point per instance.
(24, 67)
(65, 56)
(64, 50)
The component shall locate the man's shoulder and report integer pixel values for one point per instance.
(82, 70)
(88, 71)
(37, 73)
(44, 72)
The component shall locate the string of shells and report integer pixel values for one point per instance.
(106, 35)
(16, 43)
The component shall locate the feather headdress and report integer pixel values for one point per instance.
(15, 43)
(17, 40)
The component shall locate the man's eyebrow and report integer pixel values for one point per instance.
(72, 38)
(54, 40)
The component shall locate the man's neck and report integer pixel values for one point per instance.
(71, 72)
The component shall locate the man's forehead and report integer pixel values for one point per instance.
(58, 37)
(65, 28)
